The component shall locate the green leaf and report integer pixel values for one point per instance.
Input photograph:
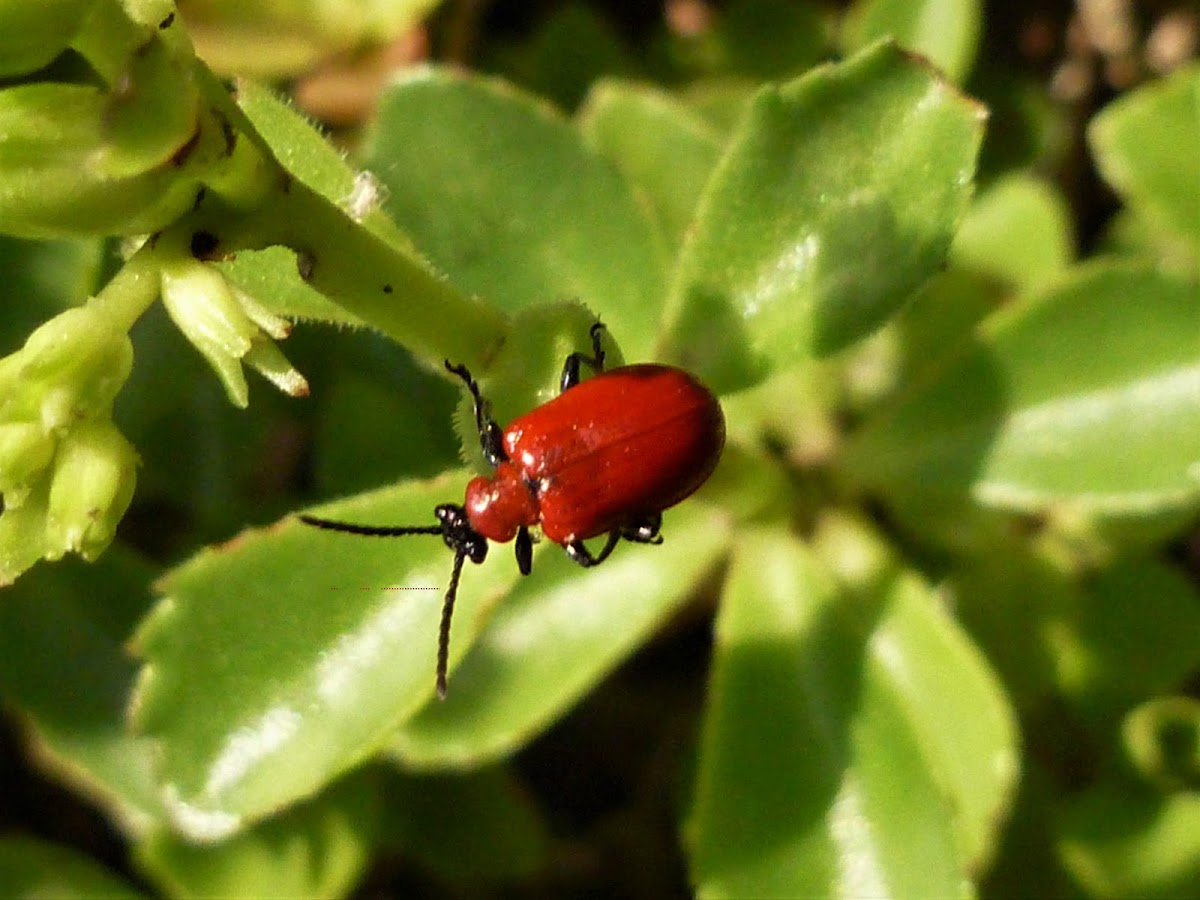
(836, 198)
(855, 745)
(944, 31)
(309, 156)
(1120, 840)
(721, 102)
(938, 322)
(1104, 643)
(665, 151)
(1133, 629)
(1018, 232)
(64, 670)
(1147, 146)
(30, 868)
(556, 635)
(502, 195)
(284, 658)
(1031, 418)
(317, 849)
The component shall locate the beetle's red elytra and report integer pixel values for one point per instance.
(604, 457)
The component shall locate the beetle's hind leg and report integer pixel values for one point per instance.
(580, 553)
(643, 531)
(639, 531)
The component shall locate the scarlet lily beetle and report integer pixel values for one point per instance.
(606, 456)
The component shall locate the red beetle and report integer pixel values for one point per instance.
(606, 456)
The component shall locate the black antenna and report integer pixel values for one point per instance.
(370, 530)
(456, 531)
(443, 657)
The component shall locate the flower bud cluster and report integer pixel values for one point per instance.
(66, 473)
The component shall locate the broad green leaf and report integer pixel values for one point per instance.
(1122, 840)
(836, 198)
(1081, 401)
(855, 745)
(665, 151)
(938, 322)
(1130, 233)
(1147, 146)
(1018, 232)
(557, 634)
(1103, 643)
(65, 672)
(1015, 606)
(721, 102)
(1133, 637)
(316, 849)
(465, 827)
(32, 868)
(945, 31)
(282, 659)
(504, 197)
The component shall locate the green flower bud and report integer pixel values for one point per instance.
(70, 368)
(25, 450)
(93, 482)
(224, 325)
(33, 33)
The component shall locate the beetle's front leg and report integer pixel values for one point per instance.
(491, 438)
(570, 372)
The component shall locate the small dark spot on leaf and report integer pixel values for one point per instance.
(387, 288)
(167, 22)
(200, 194)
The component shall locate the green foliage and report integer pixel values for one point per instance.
(953, 635)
